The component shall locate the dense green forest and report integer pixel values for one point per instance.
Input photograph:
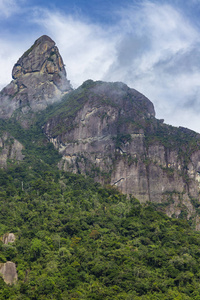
(79, 240)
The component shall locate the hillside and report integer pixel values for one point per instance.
(78, 240)
(98, 198)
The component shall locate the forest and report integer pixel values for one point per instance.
(78, 240)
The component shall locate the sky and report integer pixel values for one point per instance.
(151, 45)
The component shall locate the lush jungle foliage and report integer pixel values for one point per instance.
(78, 240)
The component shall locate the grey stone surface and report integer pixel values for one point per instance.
(154, 173)
(10, 148)
(8, 238)
(39, 79)
(9, 272)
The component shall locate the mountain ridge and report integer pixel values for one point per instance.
(109, 132)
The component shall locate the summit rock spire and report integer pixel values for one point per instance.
(39, 79)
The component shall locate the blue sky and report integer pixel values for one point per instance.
(152, 46)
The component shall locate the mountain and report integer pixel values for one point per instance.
(65, 235)
(109, 131)
(105, 130)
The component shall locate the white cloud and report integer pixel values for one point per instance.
(159, 55)
(8, 7)
(87, 50)
(153, 33)
(9, 54)
(153, 48)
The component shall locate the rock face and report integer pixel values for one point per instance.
(8, 269)
(10, 148)
(110, 132)
(8, 238)
(9, 273)
(39, 79)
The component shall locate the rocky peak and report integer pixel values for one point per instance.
(39, 79)
(42, 57)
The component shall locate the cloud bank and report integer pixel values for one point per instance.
(152, 47)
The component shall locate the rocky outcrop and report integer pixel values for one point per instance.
(9, 272)
(39, 79)
(8, 238)
(110, 132)
(10, 148)
(91, 137)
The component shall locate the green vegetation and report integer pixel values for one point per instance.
(64, 112)
(122, 139)
(182, 139)
(36, 146)
(78, 240)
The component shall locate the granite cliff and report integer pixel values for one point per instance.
(109, 131)
(104, 130)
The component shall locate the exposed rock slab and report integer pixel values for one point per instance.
(9, 272)
(10, 148)
(8, 238)
(39, 79)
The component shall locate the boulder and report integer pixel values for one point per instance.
(8, 238)
(9, 272)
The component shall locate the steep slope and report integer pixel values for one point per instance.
(78, 240)
(109, 131)
(39, 79)
(105, 130)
